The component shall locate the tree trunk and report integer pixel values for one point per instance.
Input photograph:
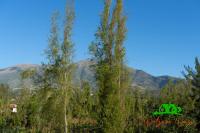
(65, 102)
(65, 111)
(66, 124)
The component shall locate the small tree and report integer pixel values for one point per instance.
(193, 76)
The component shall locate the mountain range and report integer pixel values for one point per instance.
(11, 76)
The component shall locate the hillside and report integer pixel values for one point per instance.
(11, 76)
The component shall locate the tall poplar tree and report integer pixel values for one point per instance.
(52, 54)
(66, 66)
(50, 80)
(59, 69)
(108, 52)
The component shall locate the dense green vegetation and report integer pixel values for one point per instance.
(57, 105)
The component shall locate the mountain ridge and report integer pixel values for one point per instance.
(11, 76)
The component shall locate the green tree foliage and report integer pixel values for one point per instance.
(58, 72)
(193, 76)
(136, 104)
(56, 105)
(50, 70)
(179, 94)
(5, 92)
(4, 100)
(66, 66)
(82, 106)
(50, 86)
(56, 80)
(109, 52)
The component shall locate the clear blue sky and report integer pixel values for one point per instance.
(163, 35)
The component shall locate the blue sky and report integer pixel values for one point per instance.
(163, 35)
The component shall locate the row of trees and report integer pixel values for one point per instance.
(57, 105)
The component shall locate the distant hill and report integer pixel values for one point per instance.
(11, 76)
(139, 77)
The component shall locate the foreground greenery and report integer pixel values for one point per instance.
(41, 110)
(114, 106)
